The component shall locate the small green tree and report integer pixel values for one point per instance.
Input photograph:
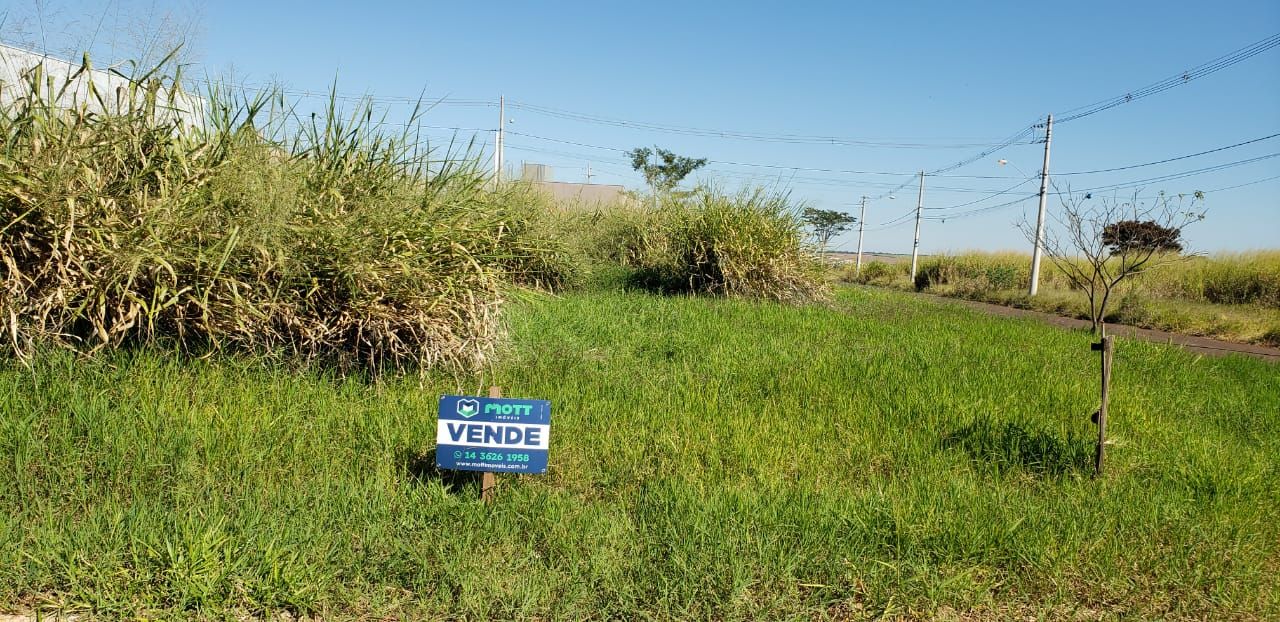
(669, 170)
(826, 223)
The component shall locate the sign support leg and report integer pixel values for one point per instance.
(488, 481)
(1106, 347)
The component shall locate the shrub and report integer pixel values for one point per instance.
(876, 273)
(747, 245)
(535, 239)
(625, 234)
(1236, 279)
(322, 239)
(1270, 338)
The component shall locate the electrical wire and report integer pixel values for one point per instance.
(752, 136)
(1118, 186)
(984, 209)
(988, 197)
(1170, 177)
(757, 165)
(1213, 66)
(889, 224)
(797, 180)
(1186, 174)
(1248, 183)
(1192, 155)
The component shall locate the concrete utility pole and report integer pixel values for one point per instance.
(1044, 197)
(497, 143)
(862, 220)
(589, 173)
(915, 250)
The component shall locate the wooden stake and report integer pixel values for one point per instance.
(487, 479)
(1107, 347)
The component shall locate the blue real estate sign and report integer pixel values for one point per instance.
(493, 434)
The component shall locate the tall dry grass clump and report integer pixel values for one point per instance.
(318, 238)
(749, 245)
(1222, 278)
(984, 271)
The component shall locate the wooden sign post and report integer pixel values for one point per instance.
(1106, 347)
(488, 481)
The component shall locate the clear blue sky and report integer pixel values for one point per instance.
(936, 74)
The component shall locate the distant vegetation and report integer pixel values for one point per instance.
(826, 223)
(1234, 296)
(322, 238)
(663, 170)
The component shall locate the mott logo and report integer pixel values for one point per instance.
(520, 410)
(468, 408)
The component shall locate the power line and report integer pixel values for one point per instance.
(1077, 113)
(980, 210)
(1192, 155)
(1119, 186)
(855, 172)
(1210, 67)
(1172, 176)
(798, 180)
(307, 93)
(752, 136)
(1249, 183)
(1006, 143)
(893, 222)
(991, 196)
(1031, 196)
(1225, 188)
(1014, 139)
(759, 165)
(828, 181)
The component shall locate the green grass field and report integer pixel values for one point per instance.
(711, 460)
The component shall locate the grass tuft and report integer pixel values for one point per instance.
(317, 238)
(748, 245)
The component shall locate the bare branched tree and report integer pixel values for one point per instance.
(1076, 242)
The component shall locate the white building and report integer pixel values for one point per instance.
(572, 194)
(59, 86)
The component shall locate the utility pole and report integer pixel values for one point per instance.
(588, 173)
(915, 249)
(862, 221)
(497, 143)
(1044, 197)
